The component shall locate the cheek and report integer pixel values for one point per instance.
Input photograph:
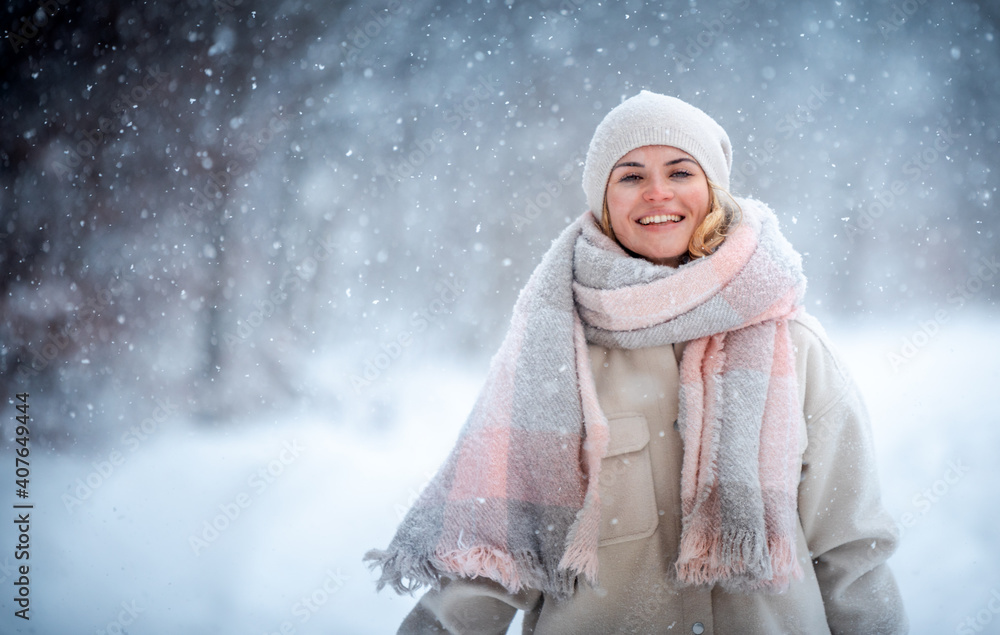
(617, 211)
(704, 208)
(699, 201)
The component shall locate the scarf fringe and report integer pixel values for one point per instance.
(785, 564)
(402, 571)
(739, 564)
(744, 554)
(580, 556)
(515, 572)
(494, 564)
(698, 562)
(711, 558)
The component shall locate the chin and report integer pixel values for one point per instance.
(661, 256)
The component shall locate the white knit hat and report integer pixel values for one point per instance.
(649, 119)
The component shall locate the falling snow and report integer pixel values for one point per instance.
(229, 226)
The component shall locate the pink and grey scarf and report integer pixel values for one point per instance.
(517, 500)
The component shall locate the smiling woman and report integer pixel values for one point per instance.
(665, 436)
(657, 197)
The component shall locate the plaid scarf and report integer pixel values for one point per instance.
(518, 500)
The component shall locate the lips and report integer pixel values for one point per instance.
(660, 219)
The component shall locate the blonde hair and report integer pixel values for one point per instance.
(724, 215)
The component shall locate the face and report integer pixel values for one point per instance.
(657, 197)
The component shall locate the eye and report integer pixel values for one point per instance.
(682, 174)
(631, 176)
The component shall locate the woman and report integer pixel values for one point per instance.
(665, 441)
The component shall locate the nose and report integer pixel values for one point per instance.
(658, 188)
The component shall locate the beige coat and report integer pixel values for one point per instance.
(844, 535)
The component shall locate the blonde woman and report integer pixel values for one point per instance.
(666, 441)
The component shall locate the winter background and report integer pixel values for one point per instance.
(256, 256)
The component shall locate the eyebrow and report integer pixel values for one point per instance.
(636, 164)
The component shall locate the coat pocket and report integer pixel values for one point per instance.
(628, 501)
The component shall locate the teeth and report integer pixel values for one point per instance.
(660, 218)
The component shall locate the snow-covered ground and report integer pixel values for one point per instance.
(937, 430)
(295, 503)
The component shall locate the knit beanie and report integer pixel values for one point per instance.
(652, 119)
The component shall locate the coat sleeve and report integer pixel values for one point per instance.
(850, 535)
(465, 607)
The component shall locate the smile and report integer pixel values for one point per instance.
(659, 219)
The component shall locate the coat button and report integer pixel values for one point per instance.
(698, 628)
